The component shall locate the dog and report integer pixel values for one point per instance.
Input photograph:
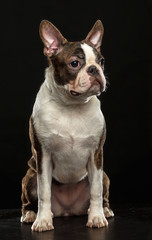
(67, 132)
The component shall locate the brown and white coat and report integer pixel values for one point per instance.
(67, 132)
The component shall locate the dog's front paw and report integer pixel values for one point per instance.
(96, 219)
(42, 224)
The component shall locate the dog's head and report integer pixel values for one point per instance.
(77, 66)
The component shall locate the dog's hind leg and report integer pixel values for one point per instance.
(29, 183)
(106, 207)
(29, 194)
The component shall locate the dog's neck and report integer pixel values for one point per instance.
(59, 93)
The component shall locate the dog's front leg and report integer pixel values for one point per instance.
(43, 220)
(96, 216)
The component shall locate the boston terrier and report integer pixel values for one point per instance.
(67, 132)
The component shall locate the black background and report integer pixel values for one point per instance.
(126, 104)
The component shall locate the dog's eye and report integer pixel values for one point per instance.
(75, 64)
(102, 61)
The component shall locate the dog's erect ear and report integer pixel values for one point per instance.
(94, 37)
(52, 38)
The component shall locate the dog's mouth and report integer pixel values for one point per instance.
(74, 93)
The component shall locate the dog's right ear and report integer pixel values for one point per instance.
(52, 38)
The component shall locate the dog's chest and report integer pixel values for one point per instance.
(70, 134)
(70, 128)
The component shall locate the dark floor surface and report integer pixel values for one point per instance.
(129, 223)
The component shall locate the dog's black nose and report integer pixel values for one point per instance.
(92, 70)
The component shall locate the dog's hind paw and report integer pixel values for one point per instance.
(108, 212)
(28, 217)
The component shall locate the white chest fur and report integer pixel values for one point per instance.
(69, 133)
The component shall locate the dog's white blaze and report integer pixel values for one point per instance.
(89, 54)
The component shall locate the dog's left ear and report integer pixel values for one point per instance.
(94, 37)
(52, 38)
